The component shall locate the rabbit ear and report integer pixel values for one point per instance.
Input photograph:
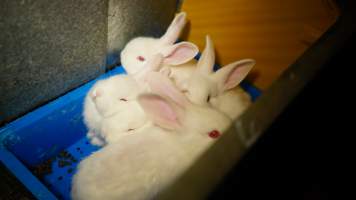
(160, 111)
(179, 53)
(174, 29)
(163, 86)
(232, 74)
(207, 59)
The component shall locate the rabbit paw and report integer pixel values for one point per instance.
(97, 141)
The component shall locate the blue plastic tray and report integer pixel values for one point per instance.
(46, 133)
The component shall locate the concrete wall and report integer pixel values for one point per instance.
(131, 18)
(50, 47)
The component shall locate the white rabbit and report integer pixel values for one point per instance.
(232, 102)
(106, 100)
(218, 89)
(140, 49)
(110, 107)
(140, 166)
(179, 65)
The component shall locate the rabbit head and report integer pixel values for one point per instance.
(169, 108)
(205, 84)
(111, 95)
(136, 52)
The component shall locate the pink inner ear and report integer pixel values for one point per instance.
(160, 111)
(163, 86)
(166, 111)
(181, 53)
(236, 76)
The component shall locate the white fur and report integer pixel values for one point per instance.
(105, 113)
(232, 102)
(141, 46)
(124, 123)
(139, 166)
(199, 84)
(174, 54)
(111, 109)
(92, 120)
(218, 89)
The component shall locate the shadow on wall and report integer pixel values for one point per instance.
(50, 48)
(45, 52)
(131, 18)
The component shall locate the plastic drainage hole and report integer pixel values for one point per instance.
(60, 178)
(80, 151)
(70, 170)
(87, 143)
(64, 163)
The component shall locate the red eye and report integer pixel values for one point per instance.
(214, 134)
(140, 58)
(123, 99)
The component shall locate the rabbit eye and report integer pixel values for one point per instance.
(208, 99)
(140, 58)
(123, 99)
(214, 134)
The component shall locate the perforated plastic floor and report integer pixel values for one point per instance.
(50, 142)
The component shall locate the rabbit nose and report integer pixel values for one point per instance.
(140, 58)
(95, 94)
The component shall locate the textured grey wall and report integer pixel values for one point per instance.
(131, 18)
(48, 48)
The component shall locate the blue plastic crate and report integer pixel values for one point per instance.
(53, 134)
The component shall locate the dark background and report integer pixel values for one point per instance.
(303, 154)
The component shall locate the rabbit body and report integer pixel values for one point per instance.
(139, 166)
